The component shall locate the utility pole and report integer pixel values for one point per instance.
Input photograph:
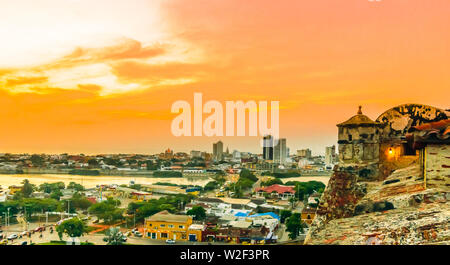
(7, 222)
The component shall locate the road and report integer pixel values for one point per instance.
(96, 238)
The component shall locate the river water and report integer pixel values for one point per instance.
(7, 180)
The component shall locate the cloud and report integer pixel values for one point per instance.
(128, 71)
(17, 81)
(125, 49)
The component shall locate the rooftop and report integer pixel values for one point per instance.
(358, 119)
(277, 188)
(165, 216)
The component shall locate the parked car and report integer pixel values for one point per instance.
(24, 243)
(24, 233)
(12, 236)
(124, 238)
(39, 229)
(138, 234)
(3, 242)
(170, 241)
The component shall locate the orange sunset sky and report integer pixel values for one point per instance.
(100, 76)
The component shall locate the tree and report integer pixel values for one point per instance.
(284, 214)
(27, 188)
(271, 182)
(92, 162)
(80, 202)
(37, 160)
(75, 186)
(56, 194)
(107, 210)
(73, 227)
(113, 236)
(198, 212)
(294, 225)
(211, 185)
(50, 187)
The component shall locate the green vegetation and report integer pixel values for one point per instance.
(27, 188)
(80, 202)
(303, 189)
(37, 160)
(284, 214)
(272, 182)
(30, 206)
(245, 182)
(286, 175)
(294, 225)
(73, 227)
(197, 212)
(136, 186)
(166, 184)
(107, 211)
(84, 172)
(170, 203)
(167, 174)
(212, 185)
(75, 186)
(50, 187)
(113, 236)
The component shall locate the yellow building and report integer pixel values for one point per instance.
(13, 189)
(164, 225)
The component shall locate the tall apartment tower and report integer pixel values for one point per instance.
(280, 151)
(268, 147)
(330, 154)
(218, 151)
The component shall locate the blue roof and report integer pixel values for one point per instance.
(241, 214)
(269, 213)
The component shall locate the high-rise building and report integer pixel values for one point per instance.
(218, 151)
(280, 151)
(196, 154)
(330, 155)
(268, 147)
(236, 154)
(304, 153)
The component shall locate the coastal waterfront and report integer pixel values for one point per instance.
(7, 180)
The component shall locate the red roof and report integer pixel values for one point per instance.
(433, 132)
(277, 188)
(437, 125)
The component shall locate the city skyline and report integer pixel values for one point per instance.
(102, 80)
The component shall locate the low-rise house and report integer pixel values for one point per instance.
(164, 225)
(195, 232)
(308, 214)
(314, 199)
(40, 195)
(269, 220)
(432, 140)
(276, 191)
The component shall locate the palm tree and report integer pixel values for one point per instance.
(113, 236)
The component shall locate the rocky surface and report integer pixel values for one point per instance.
(397, 210)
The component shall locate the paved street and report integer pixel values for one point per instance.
(96, 238)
